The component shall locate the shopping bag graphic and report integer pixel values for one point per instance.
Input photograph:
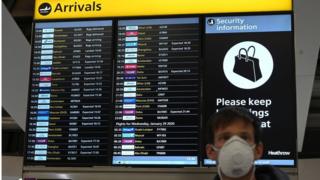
(247, 66)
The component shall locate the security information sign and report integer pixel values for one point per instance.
(249, 62)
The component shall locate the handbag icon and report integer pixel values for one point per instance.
(247, 66)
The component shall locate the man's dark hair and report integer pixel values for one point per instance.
(226, 116)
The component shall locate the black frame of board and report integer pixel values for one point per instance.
(115, 20)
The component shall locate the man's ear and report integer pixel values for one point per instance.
(211, 154)
(258, 151)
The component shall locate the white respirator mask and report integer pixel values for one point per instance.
(235, 158)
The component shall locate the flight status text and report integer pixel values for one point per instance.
(157, 92)
(70, 103)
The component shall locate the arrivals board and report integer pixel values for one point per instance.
(70, 102)
(135, 85)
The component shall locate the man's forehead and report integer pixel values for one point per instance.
(237, 126)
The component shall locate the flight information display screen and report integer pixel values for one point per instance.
(139, 91)
(70, 102)
(249, 62)
(157, 97)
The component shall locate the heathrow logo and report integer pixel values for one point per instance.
(45, 9)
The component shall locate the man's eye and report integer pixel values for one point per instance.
(226, 138)
(245, 138)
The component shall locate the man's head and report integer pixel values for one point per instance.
(228, 116)
(233, 122)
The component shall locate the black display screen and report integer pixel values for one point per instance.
(70, 102)
(249, 62)
(138, 92)
(157, 100)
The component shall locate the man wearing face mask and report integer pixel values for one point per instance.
(234, 142)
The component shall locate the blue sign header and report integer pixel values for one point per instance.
(247, 24)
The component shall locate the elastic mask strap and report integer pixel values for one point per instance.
(254, 167)
(253, 146)
(215, 148)
(219, 173)
(253, 172)
(219, 170)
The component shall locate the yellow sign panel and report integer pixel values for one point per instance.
(67, 9)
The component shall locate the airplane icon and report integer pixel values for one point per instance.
(47, 8)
